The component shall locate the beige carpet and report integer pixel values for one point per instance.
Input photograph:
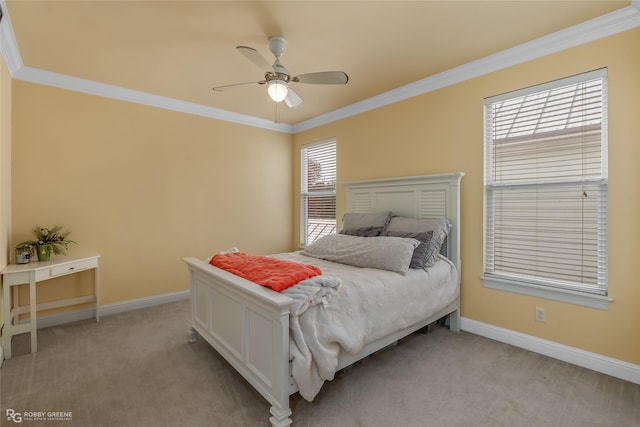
(137, 369)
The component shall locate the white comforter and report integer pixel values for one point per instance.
(369, 304)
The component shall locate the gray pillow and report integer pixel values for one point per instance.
(371, 221)
(440, 228)
(382, 252)
(419, 258)
(363, 232)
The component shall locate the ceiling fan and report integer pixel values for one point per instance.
(277, 77)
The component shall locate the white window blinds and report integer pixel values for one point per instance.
(546, 184)
(318, 198)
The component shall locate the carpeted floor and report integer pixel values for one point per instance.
(138, 369)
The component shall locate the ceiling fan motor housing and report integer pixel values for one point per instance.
(276, 76)
(277, 44)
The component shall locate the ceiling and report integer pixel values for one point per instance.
(181, 49)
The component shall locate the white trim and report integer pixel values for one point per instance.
(62, 318)
(1, 355)
(612, 23)
(600, 73)
(596, 362)
(137, 304)
(71, 316)
(48, 78)
(11, 54)
(8, 44)
(606, 25)
(601, 302)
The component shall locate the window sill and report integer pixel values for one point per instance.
(600, 302)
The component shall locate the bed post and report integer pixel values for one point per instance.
(281, 416)
(280, 409)
(454, 320)
(454, 240)
(192, 333)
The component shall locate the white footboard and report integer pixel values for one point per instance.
(249, 326)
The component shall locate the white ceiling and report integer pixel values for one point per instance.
(176, 51)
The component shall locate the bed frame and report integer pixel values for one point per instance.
(249, 325)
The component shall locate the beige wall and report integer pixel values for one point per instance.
(144, 187)
(442, 132)
(5, 171)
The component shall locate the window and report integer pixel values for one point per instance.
(318, 198)
(546, 190)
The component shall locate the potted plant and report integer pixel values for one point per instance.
(49, 240)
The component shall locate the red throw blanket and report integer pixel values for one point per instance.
(273, 273)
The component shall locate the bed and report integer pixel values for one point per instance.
(252, 326)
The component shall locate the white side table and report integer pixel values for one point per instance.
(32, 273)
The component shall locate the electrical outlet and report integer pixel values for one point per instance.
(541, 314)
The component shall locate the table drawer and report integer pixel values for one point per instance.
(61, 270)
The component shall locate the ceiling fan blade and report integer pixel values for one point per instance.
(254, 56)
(293, 100)
(323, 78)
(222, 88)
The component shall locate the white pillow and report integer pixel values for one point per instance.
(382, 252)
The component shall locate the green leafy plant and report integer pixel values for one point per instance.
(54, 236)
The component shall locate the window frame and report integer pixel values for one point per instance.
(305, 194)
(545, 288)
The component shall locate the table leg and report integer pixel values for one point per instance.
(6, 337)
(32, 312)
(15, 317)
(97, 291)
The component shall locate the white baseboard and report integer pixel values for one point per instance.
(596, 362)
(136, 304)
(49, 320)
(71, 316)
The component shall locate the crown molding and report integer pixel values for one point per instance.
(8, 44)
(11, 55)
(62, 81)
(612, 23)
(597, 28)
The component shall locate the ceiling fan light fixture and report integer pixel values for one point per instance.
(277, 90)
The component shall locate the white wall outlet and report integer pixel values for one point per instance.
(541, 314)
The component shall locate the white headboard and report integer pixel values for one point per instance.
(427, 196)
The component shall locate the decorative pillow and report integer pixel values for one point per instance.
(373, 223)
(363, 232)
(382, 252)
(440, 228)
(419, 258)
